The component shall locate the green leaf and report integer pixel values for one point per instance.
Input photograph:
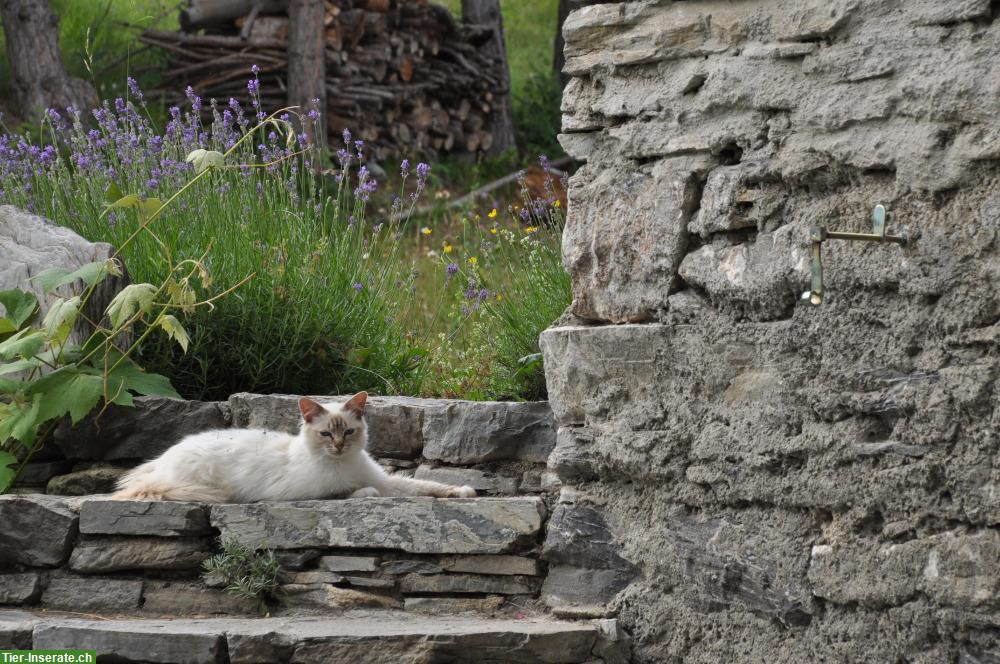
(112, 193)
(7, 471)
(25, 343)
(20, 306)
(203, 159)
(175, 331)
(91, 273)
(129, 201)
(139, 381)
(148, 207)
(69, 389)
(7, 326)
(20, 421)
(132, 298)
(60, 318)
(20, 365)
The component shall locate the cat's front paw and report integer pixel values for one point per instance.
(367, 492)
(462, 492)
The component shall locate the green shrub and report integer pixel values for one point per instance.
(247, 572)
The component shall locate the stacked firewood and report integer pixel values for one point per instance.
(402, 75)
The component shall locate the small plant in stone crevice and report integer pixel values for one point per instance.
(247, 571)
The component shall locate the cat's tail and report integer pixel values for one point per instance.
(138, 485)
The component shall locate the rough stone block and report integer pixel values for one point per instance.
(314, 576)
(410, 567)
(85, 482)
(142, 432)
(349, 563)
(946, 13)
(477, 479)
(467, 432)
(38, 530)
(962, 569)
(178, 598)
(735, 197)
(108, 554)
(92, 594)
(626, 275)
(572, 458)
(15, 629)
(416, 525)
(20, 588)
(491, 565)
(581, 592)
(450, 606)
(40, 472)
(297, 559)
(160, 518)
(468, 583)
(324, 595)
(164, 642)
(760, 281)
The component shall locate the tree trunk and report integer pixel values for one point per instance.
(37, 73)
(559, 58)
(306, 61)
(501, 127)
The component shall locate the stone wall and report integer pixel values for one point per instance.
(772, 480)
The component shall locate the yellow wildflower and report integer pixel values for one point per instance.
(425, 230)
(493, 230)
(473, 260)
(556, 203)
(492, 214)
(447, 248)
(499, 297)
(531, 229)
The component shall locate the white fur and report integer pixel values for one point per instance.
(248, 465)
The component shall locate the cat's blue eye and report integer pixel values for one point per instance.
(348, 432)
(325, 434)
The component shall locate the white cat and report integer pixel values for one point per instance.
(326, 459)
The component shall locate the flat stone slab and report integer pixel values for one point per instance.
(93, 594)
(415, 525)
(359, 637)
(136, 517)
(21, 588)
(109, 554)
(468, 583)
(15, 629)
(38, 530)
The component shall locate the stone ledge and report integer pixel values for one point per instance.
(159, 518)
(355, 636)
(415, 525)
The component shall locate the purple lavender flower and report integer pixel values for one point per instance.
(255, 69)
(347, 137)
(404, 168)
(450, 271)
(133, 87)
(313, 115)
(193, 98)
(525, 215)
(357, 286)
(253, 85)
(544, 161)
(483, 294)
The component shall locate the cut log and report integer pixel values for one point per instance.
(202, 13)
(37, 73)
(501, 124)
(306, 59)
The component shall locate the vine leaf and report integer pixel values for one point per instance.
(60, 318)
(25, 344)
(20, 307)
(90, 274)
(7, 472)
(203, 159)
(175, 330)
(132, 298)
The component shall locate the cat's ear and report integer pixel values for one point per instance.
(356, 404)
(310, 409)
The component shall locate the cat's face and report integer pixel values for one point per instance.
(338, 430)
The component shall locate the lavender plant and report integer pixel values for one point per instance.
(320, 314)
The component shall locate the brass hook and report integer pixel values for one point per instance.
(818, 234)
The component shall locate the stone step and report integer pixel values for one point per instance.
(357, 637)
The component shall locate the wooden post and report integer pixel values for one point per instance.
(38, 77)
(306, 63)
(559, 58)
(501, 124)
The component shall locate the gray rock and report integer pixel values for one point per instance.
(39, 473)
(477, 479)
(468, 583)
(735, 197)
(314, 576)
(416, 525)
(931, 13)
(450, 606)
(581, 592)
(491, 565)
(465, 432)
(614, 645)
(142, 432)
(327, 596)
(349, 563)
(571, 460)
(160, 518)
(92, 594)
(296, 560)
(112, 554)
(164, 641)
(30, 244)
(179, 598)
(410, 567)
(20, 588)
(369, 582)
(15, 629)
(38, 530)
(85, 482)
(650, 208)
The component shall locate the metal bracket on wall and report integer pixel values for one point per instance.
(818, 235)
